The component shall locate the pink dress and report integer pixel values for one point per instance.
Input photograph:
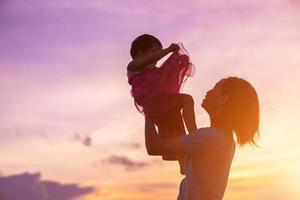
(157, 90)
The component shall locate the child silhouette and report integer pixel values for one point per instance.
(156, 90)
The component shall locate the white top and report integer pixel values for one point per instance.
(209, 153)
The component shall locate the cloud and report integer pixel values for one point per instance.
(58, 191)
(29, 185)
(14, 134)
(157, 186)
(135, 145)
(85, 140)
(132, 145)
(129, 164)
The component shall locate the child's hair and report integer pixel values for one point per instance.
(143, 43)
(241, 109)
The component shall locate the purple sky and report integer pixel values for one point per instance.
(65, 97)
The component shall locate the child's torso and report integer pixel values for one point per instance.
(131, 74)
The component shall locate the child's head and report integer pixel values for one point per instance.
(143, 43)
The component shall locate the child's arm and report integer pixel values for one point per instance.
(139, 63)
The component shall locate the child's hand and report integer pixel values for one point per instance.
(173, 47)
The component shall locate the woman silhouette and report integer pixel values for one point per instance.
(233, 108)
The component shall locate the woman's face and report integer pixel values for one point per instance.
(214, 98)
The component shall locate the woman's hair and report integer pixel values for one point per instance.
(143, 43)
(241, 111)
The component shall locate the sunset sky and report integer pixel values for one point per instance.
(67, 117)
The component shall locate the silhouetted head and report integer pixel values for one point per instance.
(143, 44)
(233, 105)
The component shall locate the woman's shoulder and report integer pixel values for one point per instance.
(205, 139)
(206, 134)
(201, 135)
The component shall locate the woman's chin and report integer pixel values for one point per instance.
(203, 101)
(204, 104)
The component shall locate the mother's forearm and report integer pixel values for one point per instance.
(157, 146)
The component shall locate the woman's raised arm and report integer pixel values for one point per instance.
(157, 146)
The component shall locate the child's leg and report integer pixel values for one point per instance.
(171, 125)
(176, 129)
(188, 113)
(163, 132)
